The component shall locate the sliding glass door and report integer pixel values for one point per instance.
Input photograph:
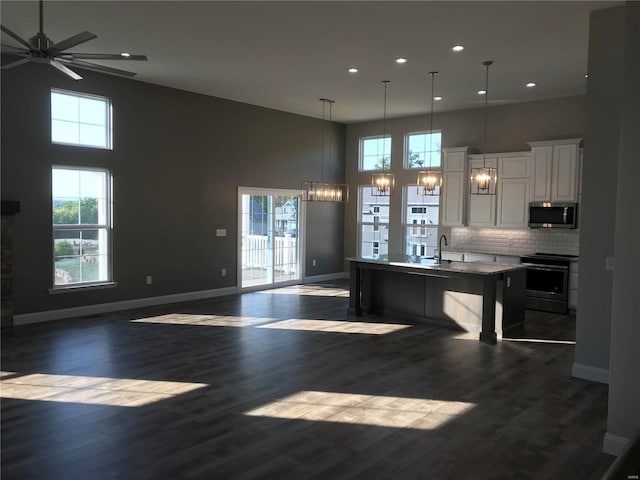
(271, 237)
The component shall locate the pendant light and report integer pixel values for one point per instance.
(429, 181)
(383, 182)
(484, 179)
(325, 191)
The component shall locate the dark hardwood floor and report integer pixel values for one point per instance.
(283, 384)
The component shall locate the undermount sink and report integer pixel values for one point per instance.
(433, 261)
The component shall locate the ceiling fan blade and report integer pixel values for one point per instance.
(101, 68)
(10, 49)
(72, 41)
(64, 69)
(16, 37)
(102, 56)
(15, 63)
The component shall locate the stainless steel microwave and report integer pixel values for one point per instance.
(553, 215)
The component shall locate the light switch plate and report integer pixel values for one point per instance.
(609, 263)
(221, 232)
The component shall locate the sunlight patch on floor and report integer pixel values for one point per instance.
(336, 326)
(119, 392)
(382, 411)
(204, 320)
(312, 291)
(539, 340)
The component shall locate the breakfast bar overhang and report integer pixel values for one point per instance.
(484, 298)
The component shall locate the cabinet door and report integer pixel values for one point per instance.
(482, 208)
(541, 173)
(454, 161)
(452, 199)
(565, 173)
(513, 200)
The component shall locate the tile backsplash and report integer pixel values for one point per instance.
(508, 241)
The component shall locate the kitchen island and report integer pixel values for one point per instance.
(484, 298)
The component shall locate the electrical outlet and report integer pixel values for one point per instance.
(609, 263)
(313, 262)
(223, 272)
(149, 279)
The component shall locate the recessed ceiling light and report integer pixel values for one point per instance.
(401, 60)
(125, 54)
(482, 92)
(531, 84)
(458, 48)
(353, 70)
(437, 99)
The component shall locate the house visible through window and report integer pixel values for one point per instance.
(80, 119)
(421, 223)
(373, 223)
(81, 216)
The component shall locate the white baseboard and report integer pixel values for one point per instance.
(614, 444)
(587, 372)
(326, 277)
(49, 315)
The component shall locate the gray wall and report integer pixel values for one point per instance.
(509, 128)
(624, 378)
(599, 179)
(177, 161)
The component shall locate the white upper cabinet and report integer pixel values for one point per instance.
(454, 184)
(513, 190)
(482, 208)
(554, 170)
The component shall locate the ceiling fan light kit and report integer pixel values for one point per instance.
(41, 49)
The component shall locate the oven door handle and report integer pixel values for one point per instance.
(546, 268)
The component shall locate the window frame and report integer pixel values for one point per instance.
(376, 226)
(361, 152)
(412, 226)
(107, 227)
(90, 96)
(405, 160)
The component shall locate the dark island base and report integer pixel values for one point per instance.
(488, 305)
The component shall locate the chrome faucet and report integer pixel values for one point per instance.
(442, 237)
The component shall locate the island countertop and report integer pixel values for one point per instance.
(480, 268)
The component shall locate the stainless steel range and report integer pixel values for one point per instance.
(547, 285)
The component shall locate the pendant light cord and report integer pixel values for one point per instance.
(486, 105)
(433, 80)
(330, 142)
(324, 103)
(384, 125)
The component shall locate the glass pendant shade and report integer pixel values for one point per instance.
(429, 182)
(382, 184)
(324, 192)
(483, 181)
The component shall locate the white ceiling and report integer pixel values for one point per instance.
(286, 55)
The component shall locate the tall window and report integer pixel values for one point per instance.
(80, 119)
(422, 147)
(375, 153)
(421, 223)
(373, 220)
(81, 201)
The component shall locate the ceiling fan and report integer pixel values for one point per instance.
(42, 49)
